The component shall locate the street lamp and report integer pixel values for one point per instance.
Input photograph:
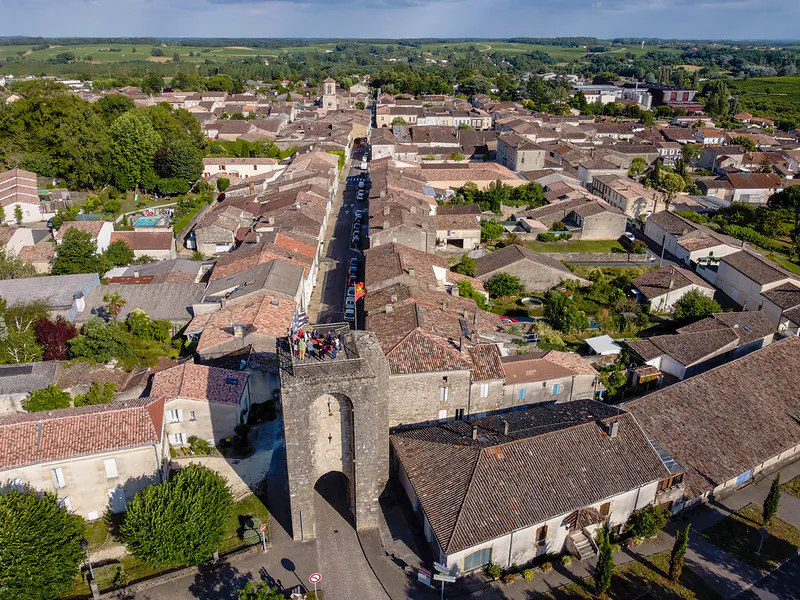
(85, 546)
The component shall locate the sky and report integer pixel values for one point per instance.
(674, 19)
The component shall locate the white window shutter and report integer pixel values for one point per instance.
(111, 468)
(180, 415)
(58, 477)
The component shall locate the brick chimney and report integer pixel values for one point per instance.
(238, 329)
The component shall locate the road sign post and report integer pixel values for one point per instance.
(263, 530)
(315, 578)
(443, 578)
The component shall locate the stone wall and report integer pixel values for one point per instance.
(599, 257)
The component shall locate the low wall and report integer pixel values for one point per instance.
(599, 257)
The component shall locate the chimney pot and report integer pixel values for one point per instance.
(505, 427)
(79, 301)
(411, 271)
(238, 330)
(389, 309)
(474, 432)
(613, 429)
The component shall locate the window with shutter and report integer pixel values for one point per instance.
(444, 393)
(541, 536)
(111, 468)
(484, 390)
(605, 509)
(443, 415)
(65, 502)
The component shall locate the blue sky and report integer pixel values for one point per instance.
(682, 19)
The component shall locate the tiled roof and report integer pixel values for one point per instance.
(748, 325)
(757, 181)
(423, 352)
(672, 223)
(726, 421)
(27, 377)
(91, 227)
(61, 434)
(266, 315)
(493, 261)
(486, 362)
(145, 240)
(554, 460)
(543, 366)
(42, 252)
(757, 268)
(199, 382)
(784, 296)
(658, 282)
(167, 301)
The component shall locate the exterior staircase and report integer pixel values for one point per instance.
(583, 546)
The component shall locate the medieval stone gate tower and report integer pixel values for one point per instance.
(336, 419)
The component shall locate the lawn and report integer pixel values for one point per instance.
(792, 487)
(578, 246)
(250, 507)
(739, 535)
(642, 580)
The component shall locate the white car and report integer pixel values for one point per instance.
(350, 314)
(630, 236)
(350, 302)
(361, 185)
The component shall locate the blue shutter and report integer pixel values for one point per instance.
(556, 388)
(522, 394)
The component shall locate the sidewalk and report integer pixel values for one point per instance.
(726, 574)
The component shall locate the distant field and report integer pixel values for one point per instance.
(100, 53)
(770, 97)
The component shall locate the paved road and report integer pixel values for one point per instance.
(346, 573)
(782, 584)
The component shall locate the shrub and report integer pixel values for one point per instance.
(509, 578)
(199, 446)
(503, 284)
(638, 247)
(49, 398)
(547, 237)
(493, 571)
(647, 522)
(528, 575)
(566, 560)
(547, 567)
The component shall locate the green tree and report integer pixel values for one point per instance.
(465, 266)
(99, 393)
(180, 159)
(260, 591)
(647, 521)
(112, 106)
(143, 328)
(491, 230)
(717, 98)
(49, 398)
(119, 253)
(773, 500)
(3, 329)
(695, 305)
(503, 284)
(41, 545)
(745, 142)
(560, 311)
(223, 183)
(360, 105)
(604, 571)
(176, 57)
(789, 198)
(21, 345)
(457, 156)
(114, 304)
(181, 521)
(18, 213)
(678, 553)
(13, 268)
(101, 341)
(638, 166)
(399, 121)
(134, 144)
(672, 184)
(465, 290)
(77, 253)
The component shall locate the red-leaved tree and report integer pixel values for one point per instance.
(54, 337)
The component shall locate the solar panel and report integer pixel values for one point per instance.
(16, 371)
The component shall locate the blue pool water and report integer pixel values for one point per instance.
(146, 222)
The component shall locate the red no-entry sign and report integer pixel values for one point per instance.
(315, 578)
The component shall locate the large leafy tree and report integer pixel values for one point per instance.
(561, 313)
(180, 159)
(179, 522)
(78, 254)
(49, 398)
(491, 230)
(20, 344)
(119, 253)
(504, 284)
(694, 305)
(99, 393)
(789, 198)
(41, 546)
(101, 341)
(134, 144)
(112, 106)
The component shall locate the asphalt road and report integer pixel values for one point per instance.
(781, 584)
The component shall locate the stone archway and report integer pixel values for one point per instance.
(336, 418)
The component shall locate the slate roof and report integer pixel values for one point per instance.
(657, 282)
(31, 438)
(724, 422)
(748, 325)
(166, 301)
(784, 296)
(554, 460)
(27, 377)
(497, 260)
(56, 290)
(757, 268)
(199, 382)
(276, 277)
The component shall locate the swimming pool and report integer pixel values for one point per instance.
(147, 221)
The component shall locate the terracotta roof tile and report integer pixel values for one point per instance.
(199, 382)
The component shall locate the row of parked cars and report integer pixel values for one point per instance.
(350, 296)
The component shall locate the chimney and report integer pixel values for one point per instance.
(613, 429)
(136, 273)
(271, 220)
(474, 432)
(454, 291)
(389, 309)
(386, 225)
(505, 427)
(386, 210)
(238, 330)
(79, 302)
(411, 271)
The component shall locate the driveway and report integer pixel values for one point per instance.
(781, 584)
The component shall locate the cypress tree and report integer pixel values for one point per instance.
(605, 562)
(678, 553)
(773, 500)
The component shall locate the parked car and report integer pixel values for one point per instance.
(350, 314)
(359, 214)
(351, 291)
(356, 240)
(509, 320)
(630, 236)
(361, 184)
(350, 302)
